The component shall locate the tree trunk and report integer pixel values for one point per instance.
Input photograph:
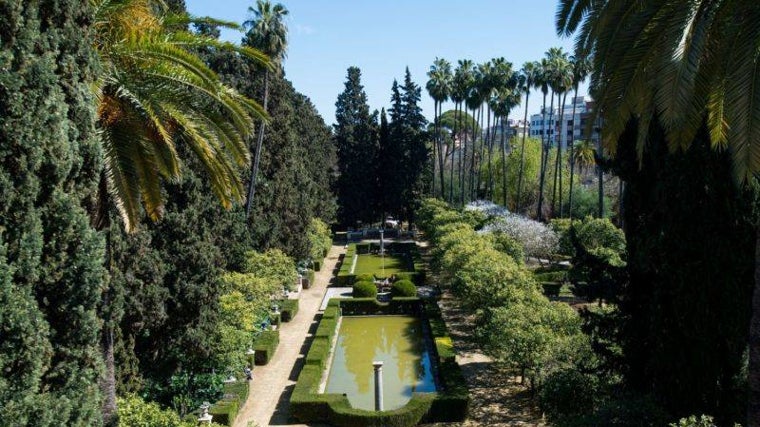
(544, 160)
(462, 163)
(600, 174)
(753, 406)
(489, 183)
(560, 163)
(522, 153)
(441, 155)
(504, 140)
(453, 152)
(257, 157)
(435, 143)
(475, 123)
(572, 160)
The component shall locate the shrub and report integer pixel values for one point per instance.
(320, 239)
(403, 288)
(365, 277)
(273, 265)
(362, 248)
(225, 411)
(265, 346)
(364, 290)
(289, 309)
(345, 280)
(317, 265)
(568, 393)
(135, 412)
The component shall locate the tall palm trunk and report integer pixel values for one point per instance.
(558, 162)
(489, 147)
(462, 163)
(436, 149)
(453, 152)
(257, 157)
(544, 159)
(504, 140)
(441, 155)
(491, 180)
(522, 154)
(475, 123)
(753, 407)
(572, 158)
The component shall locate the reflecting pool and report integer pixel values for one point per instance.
(395, 340)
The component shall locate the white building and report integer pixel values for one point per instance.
(571, 129)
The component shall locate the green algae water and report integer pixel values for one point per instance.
(395, 340)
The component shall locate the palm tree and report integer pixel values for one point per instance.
(530, 75)
(460, 86)
(543, 79)
(584, 154)
(563, 74)
(268, 33)
(439, 88)
(484, 89)
(463, 81)
(152, 94)
(474, 102)
(502, 103)
(694, 64)
(580, 71)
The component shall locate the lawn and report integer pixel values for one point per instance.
(373, 264)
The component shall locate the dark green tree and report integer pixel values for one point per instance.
(356, 139)
(51, 259)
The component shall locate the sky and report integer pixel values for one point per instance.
(382, 38)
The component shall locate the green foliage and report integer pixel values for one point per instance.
(273, 265)
(366, 277)
(135, 412)
(586, 203)
(265, 346)
(364, 290)
(52, 278)
(502, 242)
(488, 278)
(320, 239)
(568, 393)
(403, 288)
(289, 309)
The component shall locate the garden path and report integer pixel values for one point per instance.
(269, 396)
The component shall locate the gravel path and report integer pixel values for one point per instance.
(272, 384)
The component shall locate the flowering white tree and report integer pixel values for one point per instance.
(536, 238)
(487, 207)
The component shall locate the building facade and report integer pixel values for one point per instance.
(571, 128)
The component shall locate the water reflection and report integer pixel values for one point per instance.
(397, 341)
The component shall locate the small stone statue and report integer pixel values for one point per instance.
(248, 373)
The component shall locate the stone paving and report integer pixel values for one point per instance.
(272, 384)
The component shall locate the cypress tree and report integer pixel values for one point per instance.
(356, 140)
(51, 260)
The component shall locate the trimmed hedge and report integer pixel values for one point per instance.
(366, 277)
(417, 277)
(364, 290)
(225, 411)
(449, 404)
(362, 248)
(265, 346)
(288, 310)
(403, 288)
(345, 280)
(317, 265)
(551, 289)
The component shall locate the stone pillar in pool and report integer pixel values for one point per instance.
(378, 365)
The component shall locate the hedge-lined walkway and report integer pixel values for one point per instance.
(272, 384)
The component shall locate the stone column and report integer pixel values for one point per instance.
(378, 385)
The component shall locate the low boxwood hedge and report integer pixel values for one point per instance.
(449, 404)
(265, 346)
(289, 309)
(366, 277)
(364, 289)
(317, 265)
(551, 289)
(225, 411)
(403, 288)
(345, 280)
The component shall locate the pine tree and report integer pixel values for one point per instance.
(51, 260)
(414, 165)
